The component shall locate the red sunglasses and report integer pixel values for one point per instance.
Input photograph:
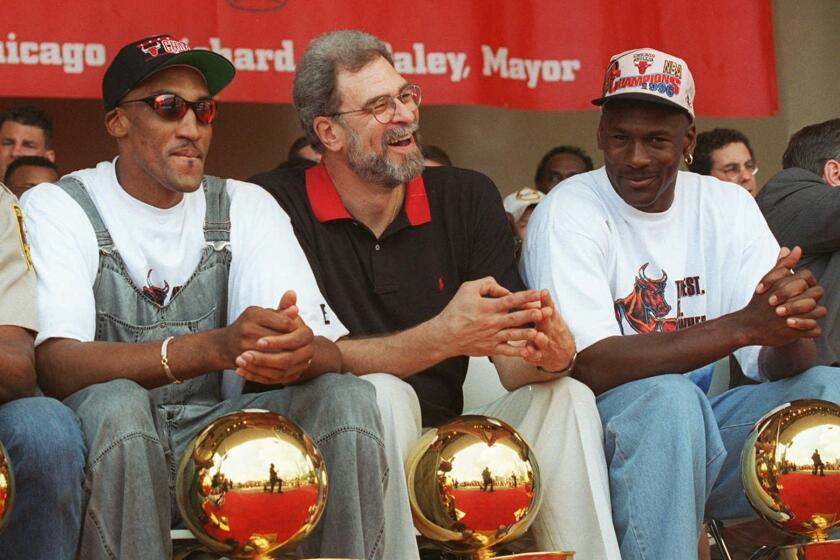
(173, 107)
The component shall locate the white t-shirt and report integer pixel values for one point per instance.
(613, 269)
(161, 249)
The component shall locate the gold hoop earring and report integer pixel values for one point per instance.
(689, 159)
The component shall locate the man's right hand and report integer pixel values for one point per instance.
(270, 345)
(484, 316)
(785, 306)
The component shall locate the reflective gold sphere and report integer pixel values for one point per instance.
(473, 483)
(790, 467)
(251, 483)
(7, 487)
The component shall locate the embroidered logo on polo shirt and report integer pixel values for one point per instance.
(324, 313)
(441, 285)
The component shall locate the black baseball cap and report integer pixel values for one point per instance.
(138, 59)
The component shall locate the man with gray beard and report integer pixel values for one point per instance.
(418, 265)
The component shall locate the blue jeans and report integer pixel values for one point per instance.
(47, 454)
(135, 446)
(673, 454)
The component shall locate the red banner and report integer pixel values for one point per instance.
(546, 55)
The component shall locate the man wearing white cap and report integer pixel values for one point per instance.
(641, 248)
(519, 207)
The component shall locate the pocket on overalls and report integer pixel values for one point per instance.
(204, 388)
(112, 328)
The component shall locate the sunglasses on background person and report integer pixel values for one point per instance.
(173, 107)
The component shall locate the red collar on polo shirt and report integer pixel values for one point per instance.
(327, 205)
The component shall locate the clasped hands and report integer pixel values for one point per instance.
(270, 346)
(486, 319)
(785, 305)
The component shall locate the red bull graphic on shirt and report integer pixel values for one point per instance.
(646, 310)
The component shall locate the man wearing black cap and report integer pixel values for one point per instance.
(153, 279)
(641, 248)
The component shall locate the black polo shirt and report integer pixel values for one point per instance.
(452, 228)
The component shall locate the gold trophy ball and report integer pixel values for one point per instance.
(473, 484)
(7, 487)
(250, 484)
(790, 468)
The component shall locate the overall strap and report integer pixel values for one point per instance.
(217, 216)
(77, 192)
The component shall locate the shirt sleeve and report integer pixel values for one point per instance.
(759, 255)
(569, 257)
(65, 257)
(268, 260)
(17, 277)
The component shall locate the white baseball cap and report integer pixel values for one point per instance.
(516, 203)
(649, 75)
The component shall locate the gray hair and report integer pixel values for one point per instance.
(812, 146)
(314, 90)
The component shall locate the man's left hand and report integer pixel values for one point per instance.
(281, 358)
(552, 346)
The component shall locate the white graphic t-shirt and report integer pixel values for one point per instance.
(161, 249)
(615, 270)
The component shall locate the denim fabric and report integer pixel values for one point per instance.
(673, 454)
(138, 445)
(47, 454)
(136, 436)
(702, 377)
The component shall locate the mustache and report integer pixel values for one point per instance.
(187, 144)
(400, 132)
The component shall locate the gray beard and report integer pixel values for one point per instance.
(374, 168)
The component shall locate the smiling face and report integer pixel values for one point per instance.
(161, 159)
(643, 144)
(385, 154)
(735, 163)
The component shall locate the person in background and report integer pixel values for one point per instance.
(801, 204)
(560, 163)
(433, 156)
(726, 153)
(519, 206)
(302, 150)
(27, 171)
(24, 131)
